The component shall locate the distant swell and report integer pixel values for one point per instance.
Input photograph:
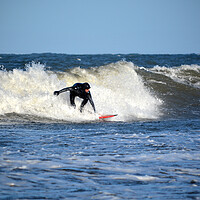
(185, 74)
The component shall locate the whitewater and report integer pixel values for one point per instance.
(150, 150)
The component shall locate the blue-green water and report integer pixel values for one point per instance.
(151, 150)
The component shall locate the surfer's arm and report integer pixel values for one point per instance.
(63, 90)
(91, 102)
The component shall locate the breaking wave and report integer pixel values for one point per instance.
(116, 89)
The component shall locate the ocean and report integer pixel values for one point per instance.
(150, 150)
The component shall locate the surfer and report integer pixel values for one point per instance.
(81, 90)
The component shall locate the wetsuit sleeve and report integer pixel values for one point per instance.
(64, 90)
(91, 101)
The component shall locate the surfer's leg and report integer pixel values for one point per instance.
(83, 104)
(72, 98)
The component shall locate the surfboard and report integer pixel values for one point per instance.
(106, 116)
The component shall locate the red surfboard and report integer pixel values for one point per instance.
(106, 116)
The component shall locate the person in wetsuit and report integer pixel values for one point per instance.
(81, 90)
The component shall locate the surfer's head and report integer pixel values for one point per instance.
(86, 87)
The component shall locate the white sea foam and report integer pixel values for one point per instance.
(116, 88)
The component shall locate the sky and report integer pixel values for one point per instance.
(100, 26)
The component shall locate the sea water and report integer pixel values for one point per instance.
(49, 150)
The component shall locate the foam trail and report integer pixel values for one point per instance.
(116, 88)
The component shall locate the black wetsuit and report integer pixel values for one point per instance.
(78, 90)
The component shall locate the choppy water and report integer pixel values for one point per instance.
(151, 150)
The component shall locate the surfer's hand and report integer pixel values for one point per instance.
(56, 93)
